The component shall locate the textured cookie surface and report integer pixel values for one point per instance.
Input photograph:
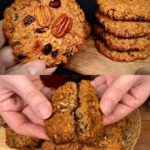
(122, 56)
(61, 126)
(45, 29)
(76, 114)
(122, 44)
(89, 118)
(126, 9)
(49, 145)
(124, 28)
(15, 140)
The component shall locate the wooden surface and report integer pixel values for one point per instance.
(90, 62)
(143, 143)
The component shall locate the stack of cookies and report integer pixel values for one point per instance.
(123, 29)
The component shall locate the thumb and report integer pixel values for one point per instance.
(30, 95)
(2, 37)
(31, 68)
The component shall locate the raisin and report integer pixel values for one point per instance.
(21, 56)
(55, 4)
(15, 44)
(40, 30)
(54, 54)
(28, 20)
(47, 49)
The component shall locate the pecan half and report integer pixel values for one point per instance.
(62, 26)
(43, 15)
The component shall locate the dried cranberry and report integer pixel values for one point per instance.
(40, 30)
(28, 20)
(54, 54)
(21, 56)
(47, 49)
(15, 44)
(55, 4)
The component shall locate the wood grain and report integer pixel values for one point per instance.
(88, 61)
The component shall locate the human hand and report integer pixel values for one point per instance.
(120, 95)
(24, 104)
(8, 65)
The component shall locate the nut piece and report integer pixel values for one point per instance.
(62, 26)
(43, 15)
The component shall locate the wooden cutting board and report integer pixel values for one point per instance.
(88, 61)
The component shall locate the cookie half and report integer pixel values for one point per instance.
(45, 30)
(60, 127)
(124, 29)
(88, 115)
(122, 56)
(122, 44)
(130, 10)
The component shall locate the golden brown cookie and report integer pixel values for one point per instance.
(88, 115)
(76, 114)
(21, 142)
(122, 44)
(49, 145)
(130, 10)
(45, 30)
(124, 28)
(122, 56)
(60, 127)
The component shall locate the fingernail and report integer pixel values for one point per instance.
(32, 70)
(107, 108)
(44, 110)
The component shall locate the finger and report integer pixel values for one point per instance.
(21, 125)
(29, 93)
(47, 92)
(50, 71)
(119, 113)
(100, 91)
(31, 68)
(135, 97)
(98, 81)
(116, 91)
(2, 37)
(29, 113)
(12, 103)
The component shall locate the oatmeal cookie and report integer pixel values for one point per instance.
(88, 115)
(48, 30)
(49, 145)
(122, 44)
(21, 142)
(60, 127)
(124, 28)
(122, 56)
(130, 10)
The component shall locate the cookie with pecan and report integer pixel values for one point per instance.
(48, 30)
